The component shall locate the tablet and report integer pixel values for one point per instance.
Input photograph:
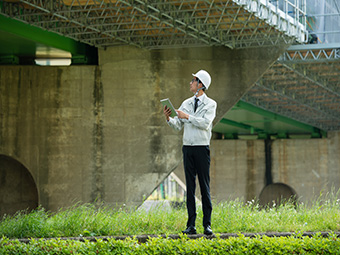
(168, 104)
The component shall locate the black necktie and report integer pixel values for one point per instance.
(196, 103)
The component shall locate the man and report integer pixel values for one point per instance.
(196, 115)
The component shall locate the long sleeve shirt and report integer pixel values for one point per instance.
(197, 129)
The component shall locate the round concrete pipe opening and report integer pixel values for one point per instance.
(18, 190)
(276, 194)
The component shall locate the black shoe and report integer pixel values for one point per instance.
(190, 231)
(208, 231)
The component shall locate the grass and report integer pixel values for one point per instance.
(228, 217)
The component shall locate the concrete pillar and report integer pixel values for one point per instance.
(237, 169)
(48, 124)
(233, 73)
(143, 149)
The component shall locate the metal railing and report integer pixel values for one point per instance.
(289, 16)
(323, 21)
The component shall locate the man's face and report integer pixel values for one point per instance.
(194, 85)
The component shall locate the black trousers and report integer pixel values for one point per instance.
(197, 162)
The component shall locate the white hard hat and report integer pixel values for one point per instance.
(204, 77)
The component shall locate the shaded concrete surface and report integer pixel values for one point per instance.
(48, 125)
(276, 194)
(145, 238)
(311, 167)
(237, 170)
(97, 133)
(135, 80)
(18, 190)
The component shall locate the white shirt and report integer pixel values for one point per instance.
(197, 129)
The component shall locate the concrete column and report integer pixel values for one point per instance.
(48, 124)
(139, 147)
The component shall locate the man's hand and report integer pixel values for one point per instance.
(182, 115)
(167, 112)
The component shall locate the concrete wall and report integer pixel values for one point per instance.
(97, 133)
(237, 170)
(48, 124)
(17, 188)
(137, 138)
(309, 166)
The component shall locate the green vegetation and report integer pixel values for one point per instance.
(183, 245)
(228, 217)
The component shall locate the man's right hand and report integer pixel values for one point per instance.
(167, 112)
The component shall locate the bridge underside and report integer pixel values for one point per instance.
(298, 96)
(71, 123)
(303, 84)
(165, 24)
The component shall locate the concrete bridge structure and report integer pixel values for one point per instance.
(96, 133)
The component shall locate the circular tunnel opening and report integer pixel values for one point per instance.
(276, 194)
(18, 190)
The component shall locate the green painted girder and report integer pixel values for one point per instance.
(9, 59)
(38, 35)
(315, 132)
(250, 126)
(242, 125)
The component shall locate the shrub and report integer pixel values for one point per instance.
(234, 245)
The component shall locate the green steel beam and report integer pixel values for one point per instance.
(316, 132)
(9, 60)
(242, 125)
(264, 134)
(231, 136)
(282, 135)
(261, 134)
(47, 38)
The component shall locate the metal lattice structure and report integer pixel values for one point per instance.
(304, 84)
(155, 24)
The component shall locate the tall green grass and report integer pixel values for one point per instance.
(228, 217)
